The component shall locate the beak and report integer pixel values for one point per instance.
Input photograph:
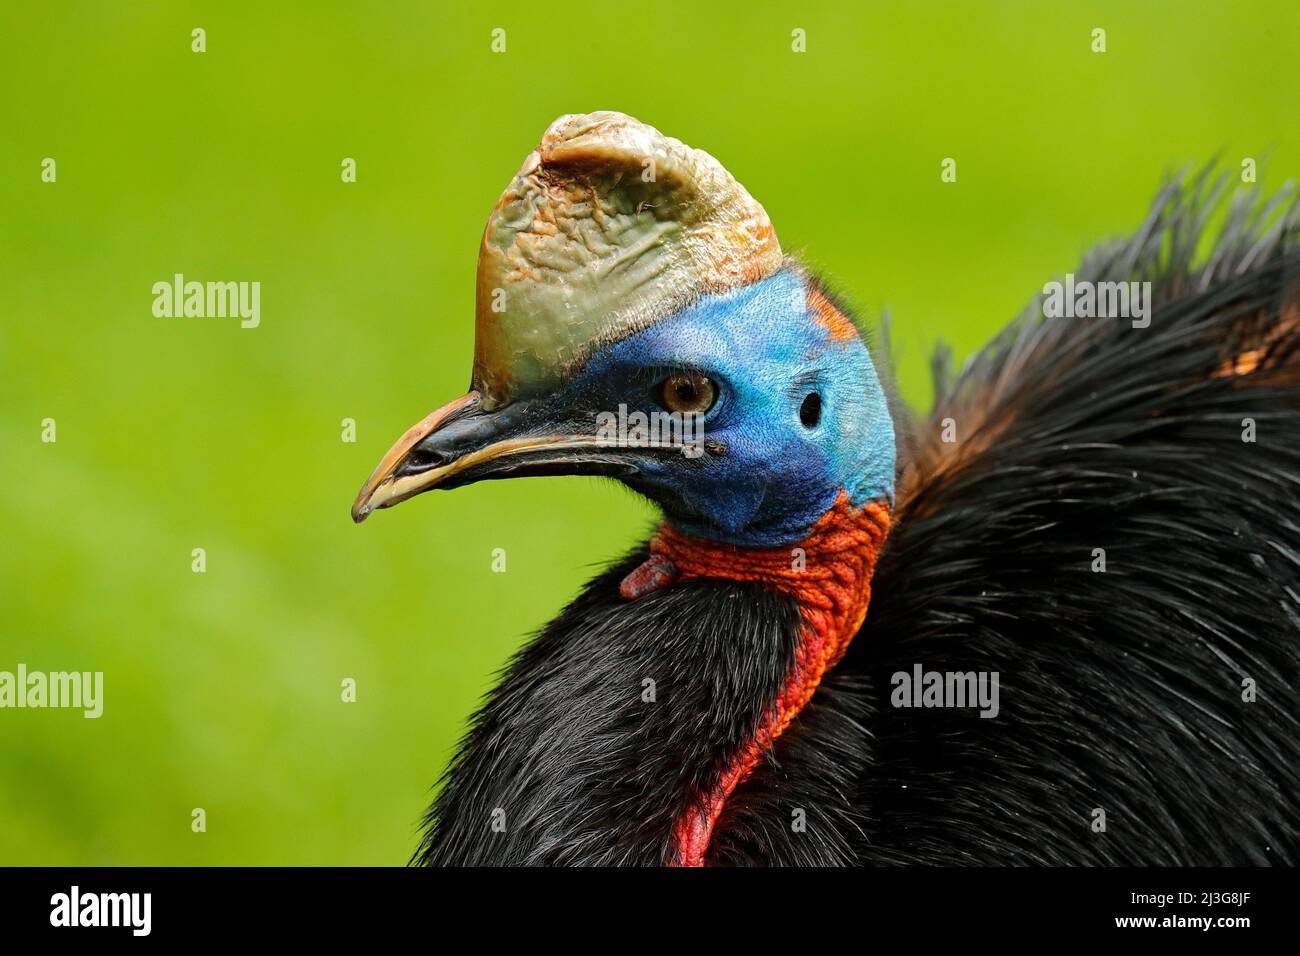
(461, 443)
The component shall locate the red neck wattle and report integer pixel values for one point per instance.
(828, 574)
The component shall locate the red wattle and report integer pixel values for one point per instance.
(828, 574)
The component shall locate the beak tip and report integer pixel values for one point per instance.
(379, 491)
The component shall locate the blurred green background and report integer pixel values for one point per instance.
(222, 689)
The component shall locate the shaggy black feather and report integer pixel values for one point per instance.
(569, 762)
(1120, 690)
(801, 806)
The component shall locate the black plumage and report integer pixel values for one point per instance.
(584, 769)
(1121, 690)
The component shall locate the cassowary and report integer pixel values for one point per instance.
(1096, 532)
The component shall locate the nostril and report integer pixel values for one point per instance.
(422, 458)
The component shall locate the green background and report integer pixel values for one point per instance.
(222, 689)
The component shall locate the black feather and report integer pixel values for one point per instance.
(1120, 690)
(573, 761)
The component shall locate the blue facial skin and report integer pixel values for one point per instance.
(765, 351)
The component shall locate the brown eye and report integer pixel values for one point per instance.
(688, 392)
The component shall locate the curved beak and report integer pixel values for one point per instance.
(461, 443)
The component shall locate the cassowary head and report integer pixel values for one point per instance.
(636, 319)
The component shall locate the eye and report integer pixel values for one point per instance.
(810, 412)
(688, 393)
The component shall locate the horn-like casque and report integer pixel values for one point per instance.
(608, 226)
